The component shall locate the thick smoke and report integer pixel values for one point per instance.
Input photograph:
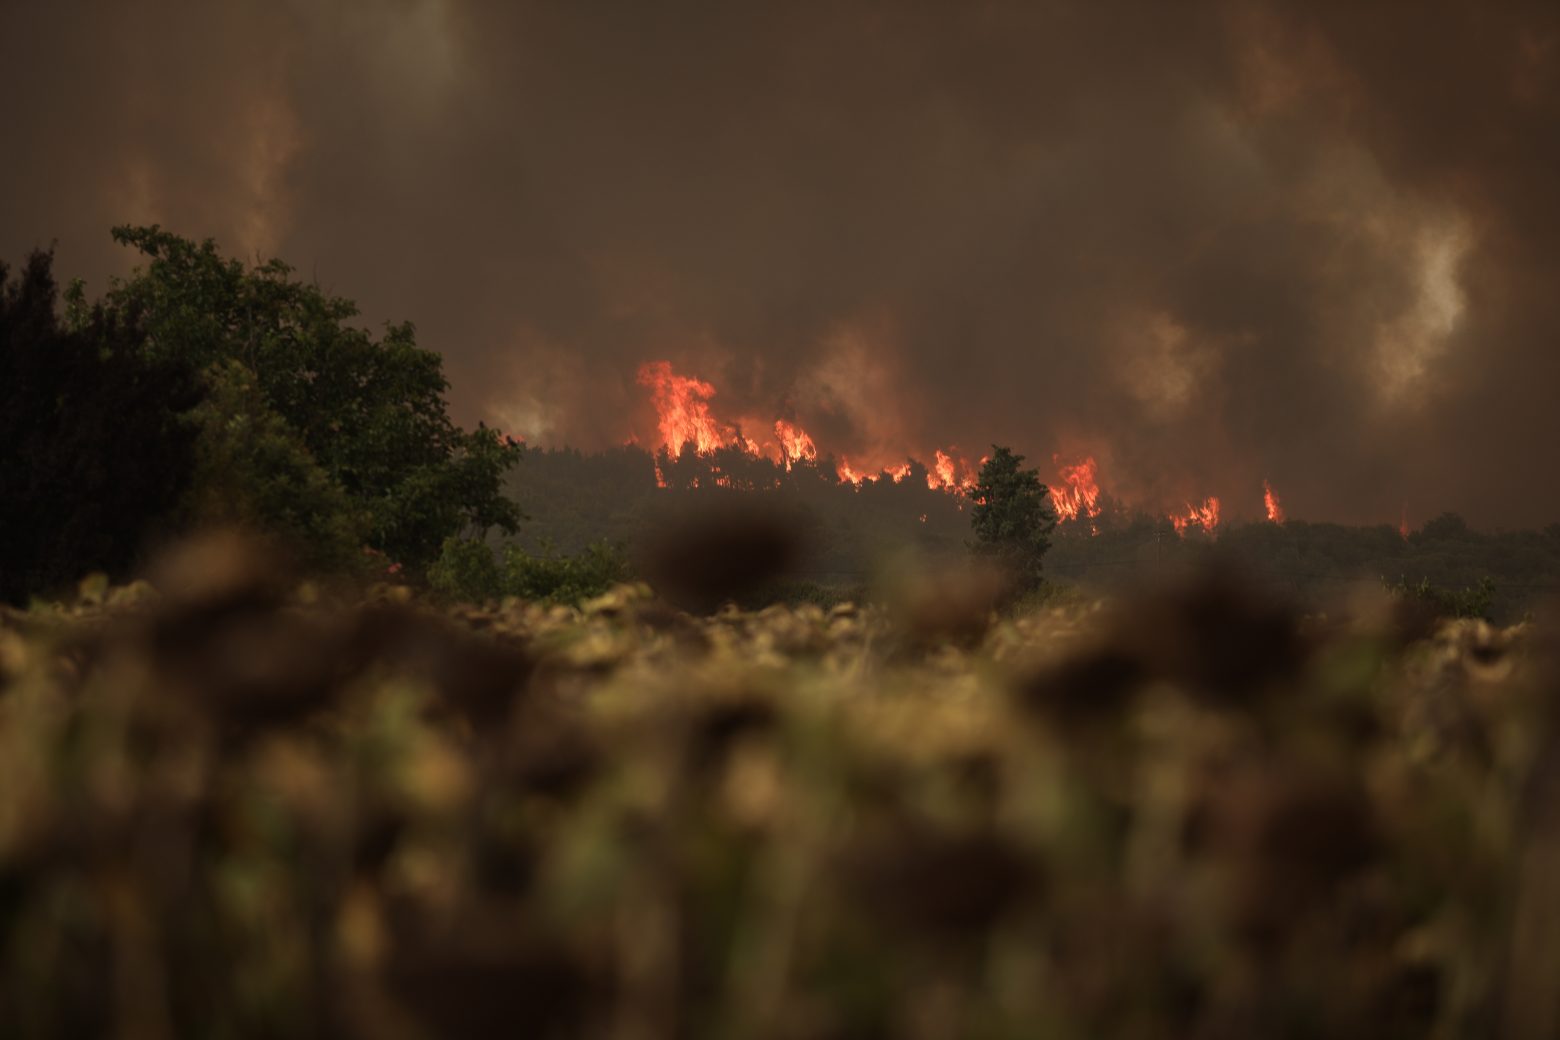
(1210, 243)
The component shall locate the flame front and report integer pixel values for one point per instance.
(684, 417)
(947, 473)
(1275, 511)
(1078, 491)
(1205, 516)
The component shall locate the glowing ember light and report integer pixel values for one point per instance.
(1403, 522)
(795, 445)
(683, 410)
(1077, 492)
(1205, 516)
(1275, 511)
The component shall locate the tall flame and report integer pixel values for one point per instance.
(683, 410)
(950, 473)
(795, 444)
(942, 474)
(1078, 490)
(1275, 511)
(1205, 516)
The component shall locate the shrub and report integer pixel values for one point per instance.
(468, 569)
(563, 579)
(1468, 602)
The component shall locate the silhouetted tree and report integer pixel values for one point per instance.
(1012, 516)
(93, 454)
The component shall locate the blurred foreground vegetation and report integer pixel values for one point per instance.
(236, 805)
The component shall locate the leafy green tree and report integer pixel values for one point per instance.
(252, 470)
(1012, 516)
(94, 459)
(369, 414)
(467, 570)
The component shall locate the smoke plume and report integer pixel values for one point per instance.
(1210, 243)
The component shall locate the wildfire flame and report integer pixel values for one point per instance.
(848, 475)
(1077, 491)
(1275, 511)
(683, 410)
(950, 473)
(795, 444)
(684, 417)
(942, 473)
(1205, 516)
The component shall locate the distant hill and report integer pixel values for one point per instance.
(573, 499)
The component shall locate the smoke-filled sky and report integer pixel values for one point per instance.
(1209, 243)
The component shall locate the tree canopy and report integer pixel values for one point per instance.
(312, 427)
(1012, 516)
(202, 390)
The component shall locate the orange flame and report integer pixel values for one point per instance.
(1403, 522)
(684, 417)
(1078, 491)
(683, 410)
(942, 474)
(795, 445)
(848, 475)
(949, 473)
(1275, 511)
(1205, 516)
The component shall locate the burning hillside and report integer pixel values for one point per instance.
(688, 424)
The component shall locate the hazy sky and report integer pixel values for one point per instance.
(1210, 243)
